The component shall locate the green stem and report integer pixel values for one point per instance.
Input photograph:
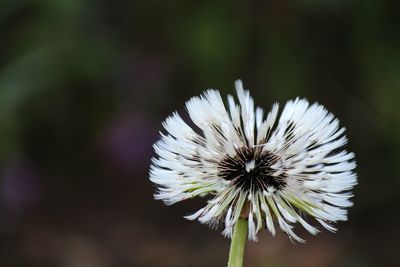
(238, 243)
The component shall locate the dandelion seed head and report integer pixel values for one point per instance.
(278, 170)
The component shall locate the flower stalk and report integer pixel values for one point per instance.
(238, 243)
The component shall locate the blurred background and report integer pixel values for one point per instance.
(85, 85)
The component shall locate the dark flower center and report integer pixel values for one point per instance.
(251, 168)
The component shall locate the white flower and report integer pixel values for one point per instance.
(271, 170)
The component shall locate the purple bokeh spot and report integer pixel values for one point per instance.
(128, 141)
(20, 187)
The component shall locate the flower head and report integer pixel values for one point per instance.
(273, 170)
